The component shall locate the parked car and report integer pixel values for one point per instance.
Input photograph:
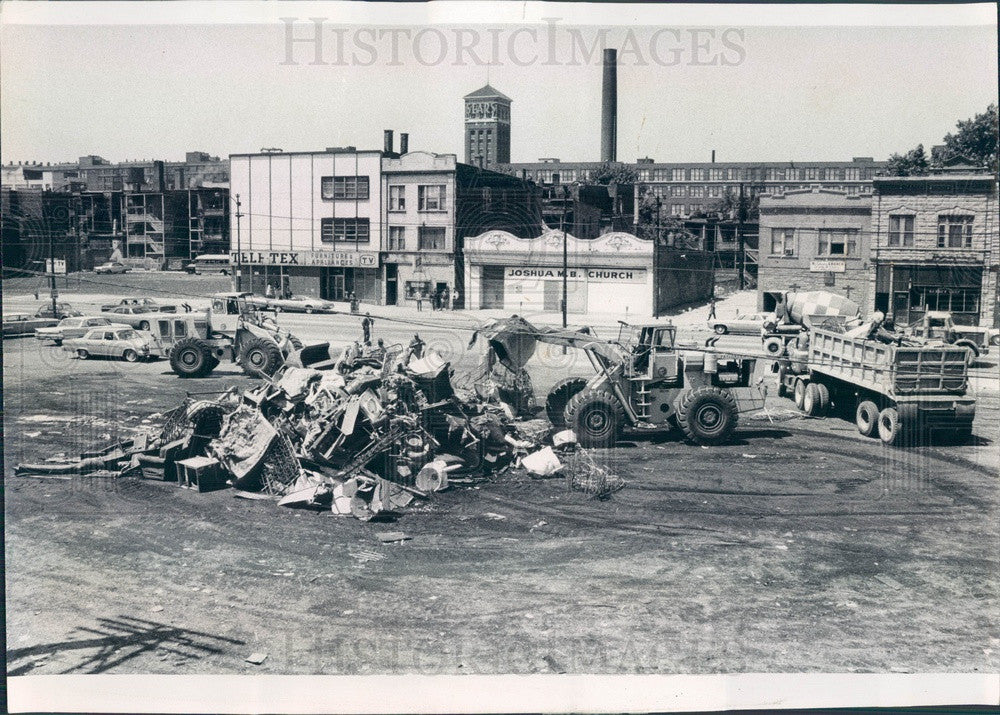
(16, 325)
(112, 341)
(302, 304)
(62, 310)
(145, 302)
(742, 324)
(72, 328)
(111, 267)
(138, 316)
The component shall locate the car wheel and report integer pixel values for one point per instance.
(721, 329)
(130, 356)
(82, 354)
(309, 309)
(144, 325)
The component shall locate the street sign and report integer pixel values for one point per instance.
(59, 268)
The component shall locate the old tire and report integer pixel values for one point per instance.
(774, 346)
(799, 393)
(721, 329)
(82, 354)
(559, 396)
(144, 325)
(260, 358)
(596, 416)
(866, 418)
(191, 358)
(130, 356)
(782, 371)
(708, 415)
(296, 343)
(890, 427)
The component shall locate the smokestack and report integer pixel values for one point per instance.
(404, 142)
(387, 141)
(713, 156)
(609, 107)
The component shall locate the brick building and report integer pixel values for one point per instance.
(936, 246)
(814, 239)
(487, 128)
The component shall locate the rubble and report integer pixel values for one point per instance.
(368, 438)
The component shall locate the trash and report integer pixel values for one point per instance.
(543, 463)
(392, 537)
(256, 658)
(493, 516)
(565, 439)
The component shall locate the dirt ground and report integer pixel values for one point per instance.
(800, 547)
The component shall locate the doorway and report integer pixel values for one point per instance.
(391, 284)
(491, 287)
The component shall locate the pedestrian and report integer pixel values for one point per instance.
(454, 299)
(420, 301)
(366, 328)
(711, 308)
(355, 305)
(446, 298)
(269, 292)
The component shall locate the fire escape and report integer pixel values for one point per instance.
(144, 232)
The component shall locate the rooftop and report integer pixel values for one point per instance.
(487, 92)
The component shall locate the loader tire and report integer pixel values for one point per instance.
(192, 358)
(708, 415)
(296, 343)
(596, 416)
(260, 358)
(558, 397)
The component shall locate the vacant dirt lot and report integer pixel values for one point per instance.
(802, 547)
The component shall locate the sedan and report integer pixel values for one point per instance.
(110, 267)
(62, 310)
(72, 328)
(16, 325)
(145, 302)
(742, 324)
(138, 316)
(111, 341)
(301, 304)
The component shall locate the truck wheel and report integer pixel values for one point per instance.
(261, 358)
(191, 358)
(559, 396)
(823, 396)
(708, 415)
(890, 428)
(596, 416)
(774, 346)
(800, 394)
(866, 418)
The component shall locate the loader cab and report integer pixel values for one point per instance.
(653, 351)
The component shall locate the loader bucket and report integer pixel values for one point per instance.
(309, 355)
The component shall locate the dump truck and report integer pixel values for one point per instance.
(233, 328)
(642, 381)
(899, 392)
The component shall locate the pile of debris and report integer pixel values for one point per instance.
(360, 440)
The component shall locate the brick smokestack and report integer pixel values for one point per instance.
(609, 107)
(387, 141)
(404, 142)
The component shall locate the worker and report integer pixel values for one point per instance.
(711, 308)
(454, 299)
(781, 311)
(415, 350)
(366, 327)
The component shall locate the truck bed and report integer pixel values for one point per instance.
(889, 369)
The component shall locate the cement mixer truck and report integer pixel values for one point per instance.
(828, 360)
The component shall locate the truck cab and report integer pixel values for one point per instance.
(940, 325)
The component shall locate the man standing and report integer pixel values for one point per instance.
(711, 307)
(420, 300)
(454, 299)
(366, 328)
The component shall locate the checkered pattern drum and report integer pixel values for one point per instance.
(805, 308)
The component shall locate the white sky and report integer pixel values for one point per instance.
(796, 93)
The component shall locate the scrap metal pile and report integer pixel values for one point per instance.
(360, 440)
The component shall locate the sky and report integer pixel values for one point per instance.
(751, 93)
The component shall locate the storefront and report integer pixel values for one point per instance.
(331, 275)
(612, 273)
(424, 276)
(906, 292)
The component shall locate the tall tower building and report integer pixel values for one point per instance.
(487, 127)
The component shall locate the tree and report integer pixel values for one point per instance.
(975, 140)
(611, 171)
(653, 216)
(912, 163)
(729, 206)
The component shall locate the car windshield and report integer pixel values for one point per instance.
(126, 334)
(69, 322)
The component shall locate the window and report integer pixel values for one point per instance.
(676, 209)
(715, 191)
(677, 175)
(838, 241)
(782, 241)
(697, 192)
(811, 174)
(351, 230)
(901, 230)
(397, 198)
(431, 238)
(954, 231)
(716, 174)
(697, 174)
(431, 197)
(164, 328)
(678, 191)
(417, 289)
(397, 238)
(852, 174)
(180, 329)
(344, 187)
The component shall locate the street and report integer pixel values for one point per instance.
(799, 547)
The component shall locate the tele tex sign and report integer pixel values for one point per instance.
(339, 259)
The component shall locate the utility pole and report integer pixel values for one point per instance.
(239, 248)
(52, 272)
(565, 291)
(740, 241)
